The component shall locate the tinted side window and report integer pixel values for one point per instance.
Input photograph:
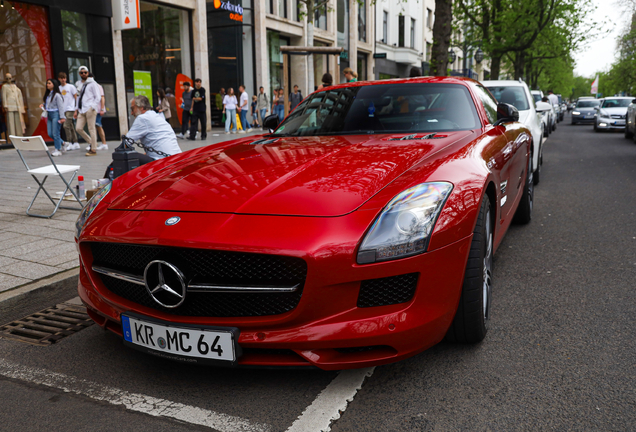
(490, 104)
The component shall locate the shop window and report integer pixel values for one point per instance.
(75, 33)
(362, 20)
(161, 46)
(274, 42)
(25, 53)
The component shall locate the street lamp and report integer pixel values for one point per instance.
(479, 55)
(452, 56)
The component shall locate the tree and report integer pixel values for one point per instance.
(442, 29)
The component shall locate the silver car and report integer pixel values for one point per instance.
(610, 115)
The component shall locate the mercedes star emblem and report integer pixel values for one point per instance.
(165, 283)
(173, 220)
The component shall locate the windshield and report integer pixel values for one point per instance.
(383, 108)
(515, 96)
(536, 97)
(616, 103)
(588, 103)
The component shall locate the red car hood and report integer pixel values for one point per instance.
(304, 176)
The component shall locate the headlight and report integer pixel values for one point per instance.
(576, 113)
(89, 207)
(405, 224)
(604, 114)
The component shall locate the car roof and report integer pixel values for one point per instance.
(618, 97)
(505, 83)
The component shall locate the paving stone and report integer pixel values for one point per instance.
(18, 240)
(29, 270)
(6, 235)
(69, 264)
(23, 249)
(7, 281)
(6, 261)
(52, 256)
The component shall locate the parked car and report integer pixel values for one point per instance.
(584, 110)
(548, 116)
(611, 113)
(630, 121)
(517, 93)
(360, 232)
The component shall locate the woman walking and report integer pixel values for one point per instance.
(164, 105)
(229, 108)
(350, 75)
(54, 105)
(279, 104)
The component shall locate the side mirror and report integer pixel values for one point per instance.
(634, 101)
(506, 113)
(271, 122)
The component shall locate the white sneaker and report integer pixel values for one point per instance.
(76, 146)
(180, 136)
(227, 133)
(102, 147)
(88, 148)
(56, 153)
(249, 130)
(66, 146)
(241, 131)
(233, 132)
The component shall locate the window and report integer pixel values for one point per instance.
(362, 20)
(429, 18)
(401, 30)
(270, 7)
(412, 33)
(513, 95)
(320, 18)
(429, 51)
(490, 104)
(385, 27)
(282, 8)
(75, 31)
(362, 66)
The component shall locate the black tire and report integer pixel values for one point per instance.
(523, 215)
(546, 131)
(470, 324)
(573, 122)
(554, 127)
(628, 134)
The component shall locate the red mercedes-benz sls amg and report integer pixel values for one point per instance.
(361, 231)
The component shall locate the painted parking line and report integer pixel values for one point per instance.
(331, 402)
(132, 401)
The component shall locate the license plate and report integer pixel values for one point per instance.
(192, 344)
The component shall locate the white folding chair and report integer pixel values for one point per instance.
(36, 143)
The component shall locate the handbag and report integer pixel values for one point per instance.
(223, 118)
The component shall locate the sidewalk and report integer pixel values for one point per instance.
(34, 248)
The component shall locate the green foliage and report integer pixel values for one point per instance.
(621, 78)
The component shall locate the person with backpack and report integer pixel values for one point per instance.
(295, 98)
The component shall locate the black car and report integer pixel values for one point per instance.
(584, 111)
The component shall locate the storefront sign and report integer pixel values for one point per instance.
(236, 11)
(126, 14)
(143, 84)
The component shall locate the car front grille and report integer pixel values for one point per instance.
(211, 267)
(387, 291)
(618, 116)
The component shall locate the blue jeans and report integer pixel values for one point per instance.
(244, 124)
(263, 112)
(230, 117)
(280, 112)
(53, 128)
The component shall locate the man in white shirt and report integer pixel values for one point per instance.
(151, 130)
(88, 106)
(69, 94)
(554, 99)
(242, 109)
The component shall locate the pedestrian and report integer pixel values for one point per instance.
(219, 99)
(197, 111)
(350, 75)
(53, 106)
(88, 106)
(554, 99)
(278, 106)
(169, 92)
(262, 104)
(98, 119)
(13, 106)
(69, 95)
(229, 108)
(163, 107)
(327, 80)
(295, 98)
(254, 111)
(243, 108)
(186, 98)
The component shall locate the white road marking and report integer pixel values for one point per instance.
(331, 402)
(132, 401)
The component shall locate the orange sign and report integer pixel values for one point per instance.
(178, 93)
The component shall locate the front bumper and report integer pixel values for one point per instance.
(610, 124)
(583, 118)
(326, 329)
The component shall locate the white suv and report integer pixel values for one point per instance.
(517, 93)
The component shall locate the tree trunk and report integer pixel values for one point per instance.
(520, 61)
(495, 66)
(310, 58)
(441, 37)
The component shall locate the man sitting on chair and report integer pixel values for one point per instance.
(151, 130)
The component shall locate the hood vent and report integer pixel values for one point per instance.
(264, 141)
(414, 137)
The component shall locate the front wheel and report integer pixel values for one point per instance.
(470, 324)
(628, 134)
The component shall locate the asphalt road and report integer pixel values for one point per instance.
(560, 353)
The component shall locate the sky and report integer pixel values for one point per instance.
(599, 55)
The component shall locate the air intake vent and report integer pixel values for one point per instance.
(387, 291)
